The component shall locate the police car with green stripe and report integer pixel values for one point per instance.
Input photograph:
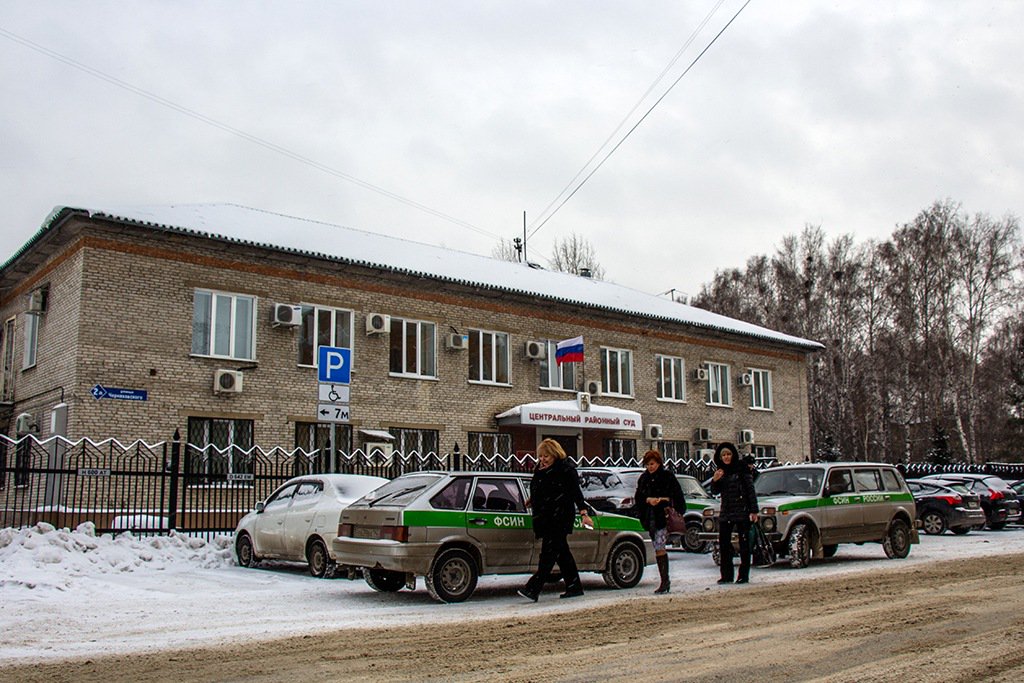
(808, 510)
(453, 527)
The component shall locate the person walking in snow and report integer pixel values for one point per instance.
(657, 489)
(555, 497)
(733, 481)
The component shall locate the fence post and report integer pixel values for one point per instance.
(172, 511)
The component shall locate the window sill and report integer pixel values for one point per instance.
(762, 410)
(232, 358)
(482, 383)
(427, 378)
(558, 390)
(718, 405)
(681, 401)
(606, 394)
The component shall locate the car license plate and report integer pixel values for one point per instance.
(367, 532)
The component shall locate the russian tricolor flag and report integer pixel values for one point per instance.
(569, 351)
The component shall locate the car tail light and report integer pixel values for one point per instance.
(996, 495)
(395, 533)
(952, 500)
(345, 530)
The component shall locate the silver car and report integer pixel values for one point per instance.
(808, 510)
(452, 527)
(298, 520)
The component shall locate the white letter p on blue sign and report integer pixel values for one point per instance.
(335, 365)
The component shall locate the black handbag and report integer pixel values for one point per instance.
(762, 554)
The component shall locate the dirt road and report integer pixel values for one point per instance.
(952, 621)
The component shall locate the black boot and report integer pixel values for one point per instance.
(744, 574)
(573, 590)
(531, 591)
(726, 572)
(663, 570)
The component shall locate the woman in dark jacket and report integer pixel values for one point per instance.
(555, 497)
(733, 481)
(657, 489)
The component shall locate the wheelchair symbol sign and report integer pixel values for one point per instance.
(335, 365)
(333, 393)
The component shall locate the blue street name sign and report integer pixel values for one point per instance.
(335, 365)
(99, 391)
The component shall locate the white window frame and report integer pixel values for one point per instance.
(208, 347)
(677, 378)
(761, 389)
(719, 393)
(7, 360)
(555, 377)
(28, 358)
(623, 371)
(499, 361)
(426, 331)
(316, 311)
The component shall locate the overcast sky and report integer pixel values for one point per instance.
(852, 115)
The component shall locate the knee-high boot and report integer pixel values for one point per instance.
(663, 570)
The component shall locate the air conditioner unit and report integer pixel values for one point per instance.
(653, 432)
(25, 423)
(36, 301)
(286, 315)
(701, 374)
(459, 342)
(583, 401)
(377, 323)
(378, 452)
(535, 350)
(703, 434)
(746, 436)
(594, 388)
(227, 381)
(746, 379)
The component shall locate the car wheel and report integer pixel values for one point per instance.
(384, 580)
(320, 563)
(961, 530)
(996, 526)
(897, 541)
(799, 547)
(830, 550)
(933, 523)
(244, 552)
(453, 576)
(625, 566)
(691, 543)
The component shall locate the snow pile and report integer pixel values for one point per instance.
(43, 555)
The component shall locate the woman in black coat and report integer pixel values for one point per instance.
(657, 489)
(555, 497)
(733, 481)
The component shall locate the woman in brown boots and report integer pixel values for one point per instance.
(656, 491)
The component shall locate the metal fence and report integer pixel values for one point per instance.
(154, 488)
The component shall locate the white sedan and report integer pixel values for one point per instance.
(297, 521)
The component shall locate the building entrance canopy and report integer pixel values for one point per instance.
(568, 414)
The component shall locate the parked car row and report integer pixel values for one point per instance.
(452, 527)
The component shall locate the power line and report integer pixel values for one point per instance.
(625, 119)
(284, 151)
(642, 118)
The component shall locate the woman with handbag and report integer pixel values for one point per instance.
(658, 490)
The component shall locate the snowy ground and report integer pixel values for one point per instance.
(73, 594)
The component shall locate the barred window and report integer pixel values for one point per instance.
(489, 443)
(675, 450)
(620, 448)
(420, 441)
(316, 436)
(220, 449)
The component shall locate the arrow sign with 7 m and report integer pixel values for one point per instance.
(332, 412)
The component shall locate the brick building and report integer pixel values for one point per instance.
(207, 319)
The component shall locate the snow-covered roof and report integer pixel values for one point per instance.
(347, 245)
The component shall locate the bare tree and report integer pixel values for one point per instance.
(506, 250)
(574, 254)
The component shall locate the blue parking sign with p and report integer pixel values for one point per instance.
(335, 365)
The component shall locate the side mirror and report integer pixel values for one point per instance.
(260, 506)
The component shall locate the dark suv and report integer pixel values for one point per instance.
(998, 500)
(946, 506)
